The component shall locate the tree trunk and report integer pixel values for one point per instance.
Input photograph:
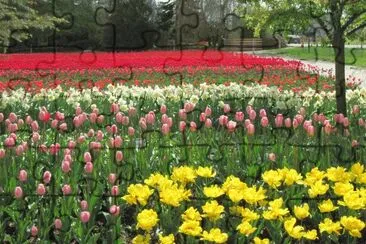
(340, 73)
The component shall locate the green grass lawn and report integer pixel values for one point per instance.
(321, 53)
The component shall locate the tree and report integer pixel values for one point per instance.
(132, 20)
(337, 18)
(17, 17)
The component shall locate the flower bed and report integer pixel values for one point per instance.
(69, 156)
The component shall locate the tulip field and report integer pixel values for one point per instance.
(178, 147)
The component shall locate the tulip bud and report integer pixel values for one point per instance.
(208, 123)
(252, 115)
(18, 192)
(84, 205)
(310, 130)
(227, 108)
(163, 109)
(88, 168)
(239, 116)
(34, 231)
(58, 224)
(112, 178)
(66, 190)
(23, 175)
(47, 177)
(250, 129)
(131, 131)
(182, 126)
(119, 156)
(272, 157)
(41, 189)
(114, 190)
(87, 157)
(84, 216)
(264, 121)
(208, 111)
(114, 210)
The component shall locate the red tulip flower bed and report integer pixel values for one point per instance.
(81, 70)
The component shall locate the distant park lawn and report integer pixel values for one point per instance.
(321, 53)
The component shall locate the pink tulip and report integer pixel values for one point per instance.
(192, 126)
(202, 117)
(356, 109)
(188, 107)
(231, 126)
(59, 116)
(131, 131)
(114, 108)
(54, 123)
(18, 192)
(65, 166)
(169, 122)
(34, 125)
(88, 168)
(81, 139)
(93, 117)
(125, 120)
(295, 123)
(163, 109)
(248, 109)
(99, 135)
(321, 117)
(78, 111)
(114, 190)
(119, 117)
(239, 116)
(345, 122)
(247, 122)
(66, 190)
(9, 142)
(13, 117)
(299, 118)
(58, 224)
(84, 216)
(328, 129)
(208, 123)
(87, 157)
(84, 205)
(132, 111)
(164, 119)
(223, 120)
(28, 120)
(23, 175)
(165, 129)
(150, 118)
(100, 119)
(2, 153)
(119, 156)
(279, 120)
(114, 210)
(44, 116)
(361, 122)
(208, 111)
(346, 132)
(47, 177)
(112, 178)
(143, 124)
(252, 115)
(182, 114)
(41, 189)
(54, 148)
(262, 113)
(118, 141)
(63, 127)
(35, 137)
(288, 123)
(264, 121)
(310, 130)
(315, 117)
(227, 108)
(34, 231)
(20, 122)
(272, 157)
(71, 145)
(250, 129)
(182, 126)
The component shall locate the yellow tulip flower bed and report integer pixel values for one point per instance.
(195, 204)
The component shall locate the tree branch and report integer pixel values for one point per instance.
(356, 29)
(352, 19)
(324, 27)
